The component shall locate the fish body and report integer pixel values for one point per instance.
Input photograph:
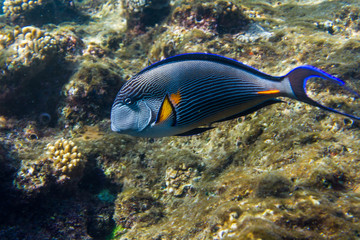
(179, 94)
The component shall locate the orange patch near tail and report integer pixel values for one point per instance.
(269, 92)
(175, 98)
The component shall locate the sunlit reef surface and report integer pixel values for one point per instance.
(288, 171)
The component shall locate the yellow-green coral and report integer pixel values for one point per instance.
(66, 158)
(27, 45)
(14, 7)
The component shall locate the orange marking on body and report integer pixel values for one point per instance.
(165, 110)
(175, 98)
(269, 91)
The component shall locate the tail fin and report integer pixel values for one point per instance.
(298, 78)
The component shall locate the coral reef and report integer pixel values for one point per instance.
(62, 164)
(91, 89)
(136, 207)
(27, 47)
(179, 181)
(14, 7)
(141, 14)
(222, 16)
(34, 178)
(41, 11)
(287, 171)
(346, 21)
(25, 52)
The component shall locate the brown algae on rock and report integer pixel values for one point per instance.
(288, 171)
(90, 89)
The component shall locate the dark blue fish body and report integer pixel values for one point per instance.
(178, 95)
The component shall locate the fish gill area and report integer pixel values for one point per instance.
(288, 171)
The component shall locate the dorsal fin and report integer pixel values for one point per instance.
(213, 58)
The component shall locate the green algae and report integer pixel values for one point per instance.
(106, 196)
(116, 233)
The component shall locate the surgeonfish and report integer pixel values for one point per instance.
(178, 95)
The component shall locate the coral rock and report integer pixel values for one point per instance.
(133, 206)
(179, 181)
(140, 14)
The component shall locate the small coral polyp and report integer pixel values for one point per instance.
(66, 157)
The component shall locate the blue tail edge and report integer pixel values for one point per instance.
(300, 75)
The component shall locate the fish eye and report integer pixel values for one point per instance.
(127, 101)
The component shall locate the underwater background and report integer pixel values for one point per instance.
(288, 171)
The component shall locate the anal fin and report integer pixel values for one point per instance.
(195, 131)
(251, 110)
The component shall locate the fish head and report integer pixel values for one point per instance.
(135, 109)
(130, 118)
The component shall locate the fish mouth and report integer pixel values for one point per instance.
(130, 119)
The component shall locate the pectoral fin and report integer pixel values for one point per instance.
(166, 112)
